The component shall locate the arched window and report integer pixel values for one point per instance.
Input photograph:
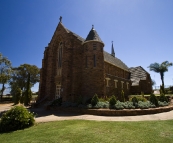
(59, 58)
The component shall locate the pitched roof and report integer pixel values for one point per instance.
(74, 34)
(115, 61)
(137, 74)
(107, 57)
(93, 36)
(77, 36)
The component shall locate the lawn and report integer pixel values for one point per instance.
(81, 131)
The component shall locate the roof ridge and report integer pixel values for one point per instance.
(76, 35)
(115, 61)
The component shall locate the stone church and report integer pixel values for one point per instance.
(74, 67)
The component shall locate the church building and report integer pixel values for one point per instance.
(74, 67)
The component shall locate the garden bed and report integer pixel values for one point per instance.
(113, 112)
(112, 107)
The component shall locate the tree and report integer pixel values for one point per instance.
(5, 72)
(160, 68)
(20, 75)
(28, 93)
(24, 77)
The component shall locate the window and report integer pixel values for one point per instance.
(122, 84)
(94, 46)
(107, 82)
(59, 59)
(59, 55)
(116, 83)
(94, 60)
(127, 85)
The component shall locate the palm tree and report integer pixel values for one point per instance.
(160, 68)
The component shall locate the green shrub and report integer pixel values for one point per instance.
(163, 98)
(119, 105)
(89, 106)
(17, 96)
(143, 105)
(94, 100)
(16, 118)
(27, 96)
(102, 100)
(106, 105)
(153, 99)
(143, 99)
(133, 99)
(102, 105)
(163, 103)
(128, 105)
(112, 100)
(57, 102)
(136, 99)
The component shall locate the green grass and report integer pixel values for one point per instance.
(81, 131)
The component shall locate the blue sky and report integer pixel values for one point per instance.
(142, 30)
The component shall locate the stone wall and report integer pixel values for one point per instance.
(116, 80)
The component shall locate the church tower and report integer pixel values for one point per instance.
(93, 66)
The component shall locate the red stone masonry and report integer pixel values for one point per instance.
(74, 68)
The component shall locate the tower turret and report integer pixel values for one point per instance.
(93, 65)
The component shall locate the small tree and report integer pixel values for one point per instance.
(112, 100)
(154, 100)
(162, 97)
(17, 96)
(27, 93)
(94, 100)
(122, 96)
